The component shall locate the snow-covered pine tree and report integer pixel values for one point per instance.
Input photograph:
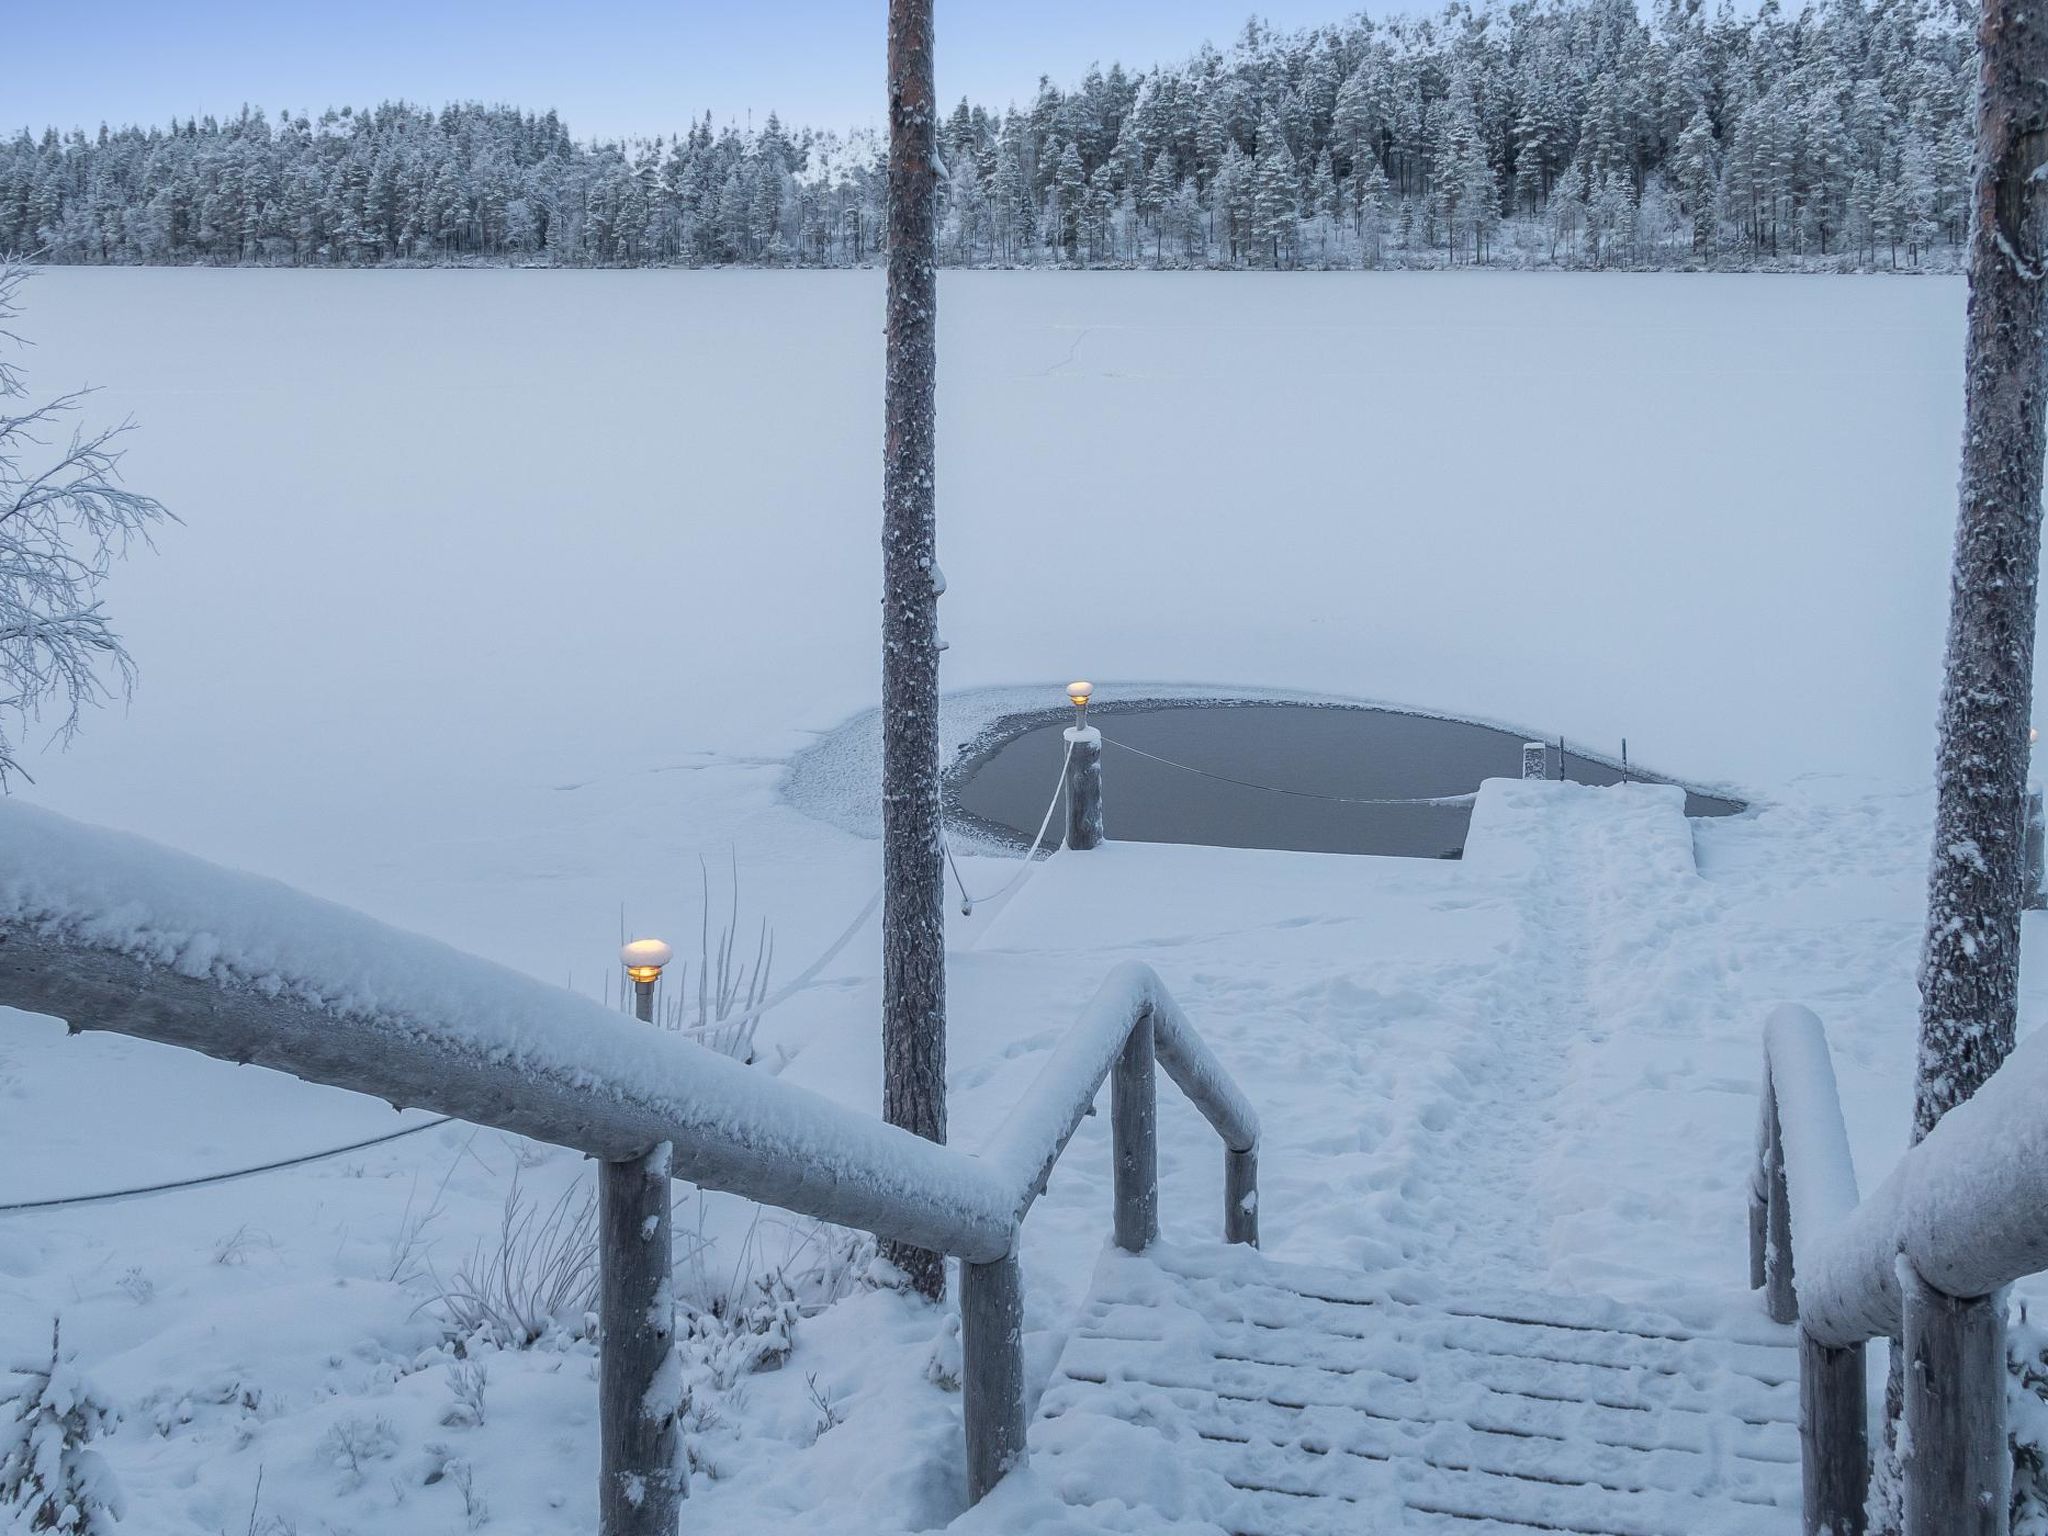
(50, 1478)
(1274, 193)
(1698, 179)
(1070, 196)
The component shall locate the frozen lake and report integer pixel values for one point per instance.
(503, 594)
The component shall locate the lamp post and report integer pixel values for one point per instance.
(643, 1476)
(1084, 773)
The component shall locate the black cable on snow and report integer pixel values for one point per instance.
(221, 1178)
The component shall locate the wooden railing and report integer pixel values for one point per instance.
(333, 997)
(1131, 1024)
(1924, 1261)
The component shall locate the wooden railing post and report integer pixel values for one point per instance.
(1535, 760)
(642, 1475)
(992, 1370)
(1084, 787)
(1834, 1437)
(1133, 1117)
(1241, 1196)
(1759, 1237)
(1780, 1299)
(2034, 843)
(1958, 1466)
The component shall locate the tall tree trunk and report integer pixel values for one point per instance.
(1969, 973)
(913, 911)
(1969, 967)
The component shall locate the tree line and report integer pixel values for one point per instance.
(1569, 132)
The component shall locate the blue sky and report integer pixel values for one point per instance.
(610, 66)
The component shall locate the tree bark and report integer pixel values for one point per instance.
(1969, 966)
(1969, 974)
(913, 911)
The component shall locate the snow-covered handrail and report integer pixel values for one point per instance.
(1803, 1183)
(1924, 1260)
(1963, 1208)
(109, 932)
(1130, 1023)
(1029, 1142)
(1802, 1188)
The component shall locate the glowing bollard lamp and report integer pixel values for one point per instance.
(644, 959)
(1084, 773)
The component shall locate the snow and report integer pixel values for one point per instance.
(494, 648)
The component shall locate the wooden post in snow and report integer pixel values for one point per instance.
(1134, 1129)
(1535, 760)
(992, 1371)
(1958, 1466)
(2034, 839)
(1084, 787)
(913, 903)
(642, 1475)
(1834, 1438)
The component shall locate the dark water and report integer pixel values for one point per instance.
(1301, 751)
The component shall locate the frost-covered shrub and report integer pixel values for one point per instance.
(49, 1480)
(467, 1380)
(755, 1333)
(2027, 1419)
(538, 1274)
(353, 1443)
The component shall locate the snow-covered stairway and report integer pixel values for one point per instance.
(1218, 1386)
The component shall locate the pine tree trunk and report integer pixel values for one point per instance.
(913, 912)
(1969, 968)
(1969, 975)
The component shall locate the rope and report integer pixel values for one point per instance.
(1299, 794)
(969, 903)
(222, 1178)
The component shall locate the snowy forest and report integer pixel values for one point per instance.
(1570, 132)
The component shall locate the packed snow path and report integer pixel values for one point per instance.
(1293, 1400)
(1425, 1383)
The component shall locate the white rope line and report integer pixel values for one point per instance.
(1025, 865)
(1299, 794)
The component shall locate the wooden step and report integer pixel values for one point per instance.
(1290, 1401)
